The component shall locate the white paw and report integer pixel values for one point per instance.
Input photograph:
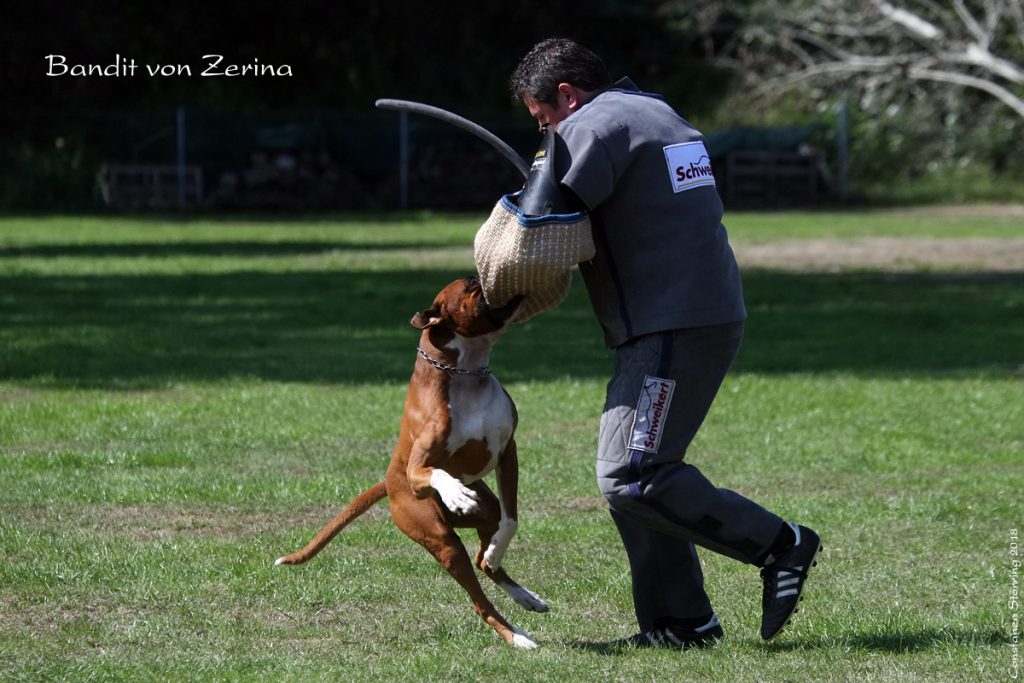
(495, 553)
(522, 641)
(493, 556)
(455, 496)
(526, 598)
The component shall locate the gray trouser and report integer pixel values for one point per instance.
(657, 399)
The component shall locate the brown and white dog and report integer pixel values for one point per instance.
(457, 427)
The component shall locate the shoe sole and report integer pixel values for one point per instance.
(800, 596)
(685, 645)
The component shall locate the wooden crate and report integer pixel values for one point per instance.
(152, 186)
(769, 180)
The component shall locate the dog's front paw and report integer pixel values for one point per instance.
(455, 496)
(462, 501)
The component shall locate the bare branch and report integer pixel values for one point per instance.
(968, 43)
(1002, 94)
(993, 15)
(822, 45)
(1003, 68)
(1017, 11)
(971, 23)
(846, 68)
(913, 23)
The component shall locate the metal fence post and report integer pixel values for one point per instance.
(843, 161)
(181, 157)
(403, 159)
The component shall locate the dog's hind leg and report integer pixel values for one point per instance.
(487, 523)
(523, 596)
(425, 522)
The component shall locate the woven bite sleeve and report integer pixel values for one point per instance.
(530, 255)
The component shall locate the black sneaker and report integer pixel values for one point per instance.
(675, 637)
(784, 579)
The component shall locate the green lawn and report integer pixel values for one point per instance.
(183, 402)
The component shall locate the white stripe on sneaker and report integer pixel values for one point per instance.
(791, 591)
(671, 636)
(796, 530)
(713, 622)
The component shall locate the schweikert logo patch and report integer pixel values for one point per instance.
(651, 411)
(689, 166)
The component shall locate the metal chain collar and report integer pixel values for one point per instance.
(481, 372)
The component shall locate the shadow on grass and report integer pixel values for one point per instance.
(335, 327)
(898, 642)
(887, 642)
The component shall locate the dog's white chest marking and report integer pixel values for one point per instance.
(481, 411)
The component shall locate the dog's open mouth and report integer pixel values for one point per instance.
(501, 315)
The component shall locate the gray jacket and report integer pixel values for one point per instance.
(663, 258)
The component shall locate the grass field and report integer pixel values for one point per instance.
(183, 402)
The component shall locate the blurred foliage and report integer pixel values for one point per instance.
(342, 55)
(55, 132)
(911, 138)
(909, 147)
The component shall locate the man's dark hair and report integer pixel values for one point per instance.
(554, 61)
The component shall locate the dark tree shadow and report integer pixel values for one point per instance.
(241, 248)
(885, 642)
(347, 327)
(896, 642)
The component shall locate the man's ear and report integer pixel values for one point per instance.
(427, 318)
(568, 94)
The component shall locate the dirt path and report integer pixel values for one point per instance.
(886, 253)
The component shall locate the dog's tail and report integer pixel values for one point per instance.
(363, 502)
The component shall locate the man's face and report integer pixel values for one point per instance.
(568, 99)
(546, 114)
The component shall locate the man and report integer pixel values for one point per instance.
(666, 289)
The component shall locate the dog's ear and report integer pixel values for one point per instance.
(427, 318)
